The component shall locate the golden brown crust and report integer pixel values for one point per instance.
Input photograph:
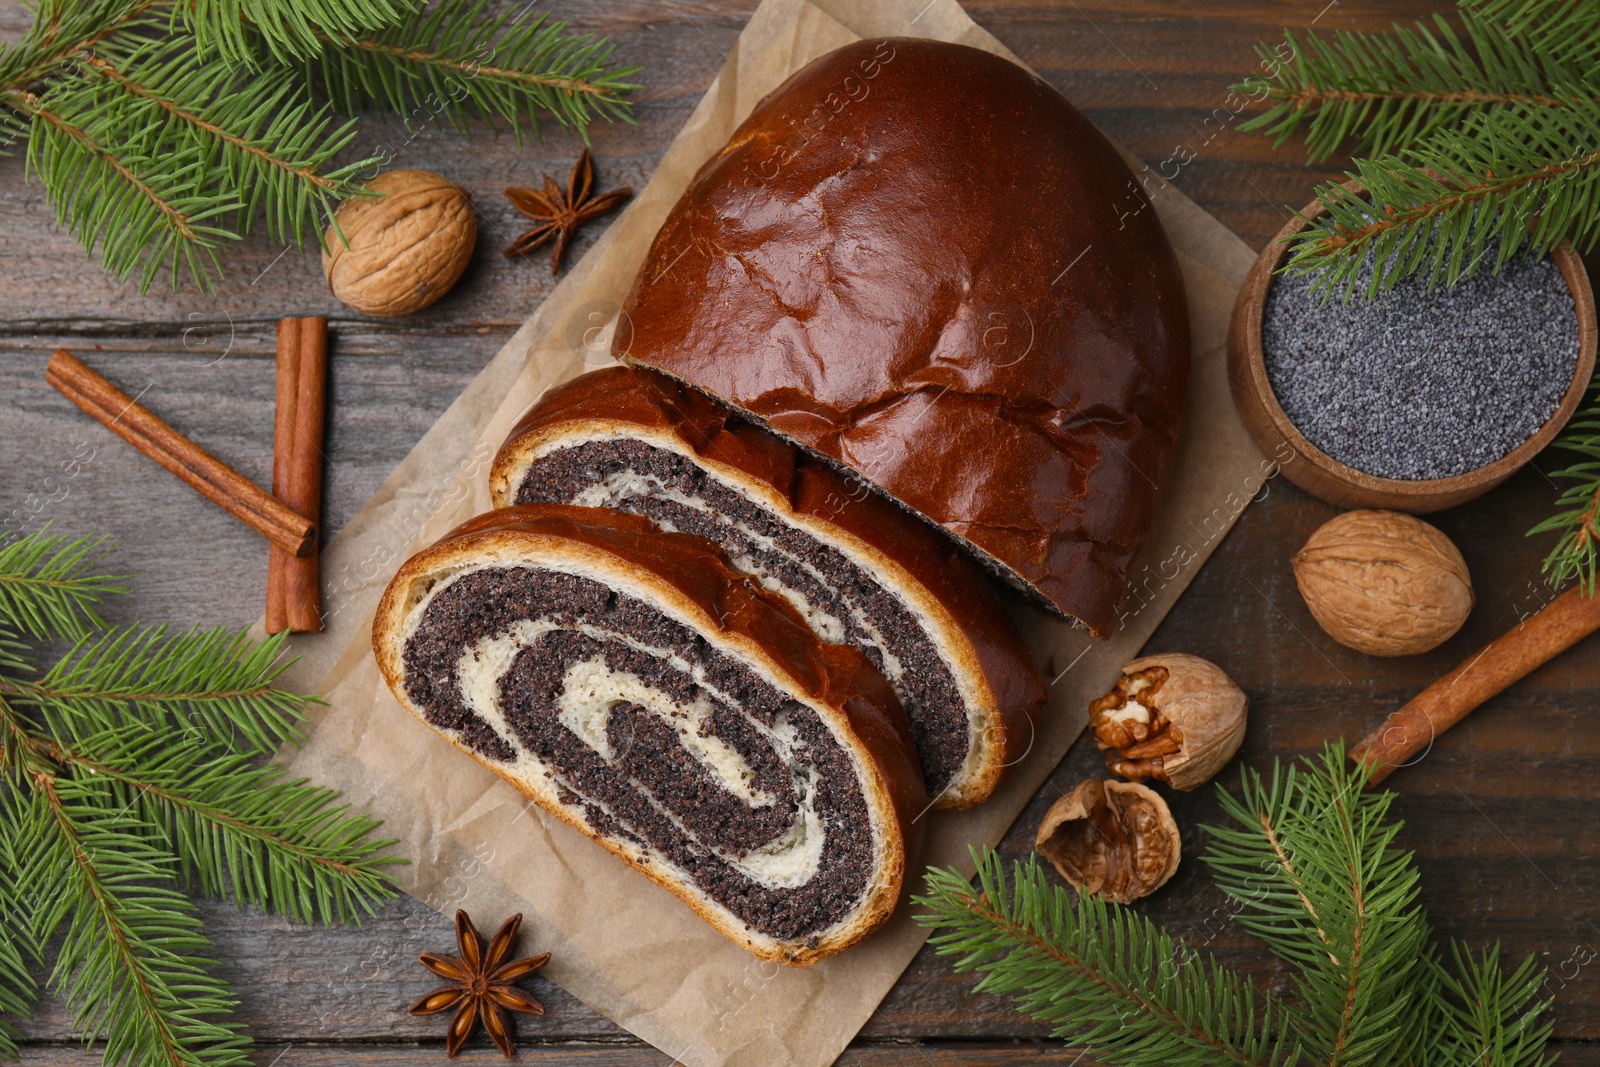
(904, 551)
(691, 578)
(973, 306)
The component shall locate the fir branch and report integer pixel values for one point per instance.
(1565, 30)
(62, 30)
(453, 61)
(1102, 975)
(139, 677)
(1377, 93)
(1313, 865)
(18, 989)
(288, 29)
(148, 202)
(241, 829)
(12, 130)
(130, 966)
(18, 750)
(258, 135)
(1490, 1017)
(142, 773)
(1489, 142)
(1501, 182)
(1475, 140)
(144, 211)
(47, 585)
(1576, 554)
(1310, 861)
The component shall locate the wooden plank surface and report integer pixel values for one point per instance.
(1500, 813)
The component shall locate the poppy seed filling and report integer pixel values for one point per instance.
(842, 601)
(651, 737)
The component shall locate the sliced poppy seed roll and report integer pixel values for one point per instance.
(860, 569)
(637, 687)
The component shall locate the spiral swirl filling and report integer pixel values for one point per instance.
(650, 737)
(843, 602)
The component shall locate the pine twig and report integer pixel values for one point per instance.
(140, 772)
(1565, 30)
(63, 30)
(1502, 182)
(162, 130)
(260, 135)
(18, 989)
(1312, 863)
(1576, 553)
(128, 966)
(212, 680)
(241, 829)
(289, 30)
(143, 211)
(451, 61)
(47, 586)
(1469, 142)
(1489, 1016)
(1377, 93)
(1484, 143)
(1102, 975)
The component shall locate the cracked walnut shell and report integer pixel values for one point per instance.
(1117, 839)
(1384, 583)
(403, 250)
(1174, 717)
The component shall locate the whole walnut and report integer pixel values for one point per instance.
(1176, 718)
(1117, 839)
(1384, 583)
(401, 251)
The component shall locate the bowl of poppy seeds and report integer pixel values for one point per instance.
(1422, 397)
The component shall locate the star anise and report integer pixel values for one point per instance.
(559, 212)
(481, 984)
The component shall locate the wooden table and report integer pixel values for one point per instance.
(1500, 814)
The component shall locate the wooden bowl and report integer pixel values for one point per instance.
(1319, 473)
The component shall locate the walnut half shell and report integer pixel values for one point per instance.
(1117, 839)
(1174, 717)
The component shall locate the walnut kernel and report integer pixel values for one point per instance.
(1174, 717)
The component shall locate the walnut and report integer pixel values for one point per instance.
(1174, 717)
(1113, 838)
(402, 251)
(1384, 583)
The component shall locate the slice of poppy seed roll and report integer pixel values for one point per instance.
(860, 569)
(634, 685)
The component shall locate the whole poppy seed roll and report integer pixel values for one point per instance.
(918, 260)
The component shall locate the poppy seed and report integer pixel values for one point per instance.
(1423, 383)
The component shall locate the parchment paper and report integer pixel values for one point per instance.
(631, 950)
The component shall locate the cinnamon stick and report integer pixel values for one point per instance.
(302, 577)
(1534, 641)
(209, 476)
(286, 395)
